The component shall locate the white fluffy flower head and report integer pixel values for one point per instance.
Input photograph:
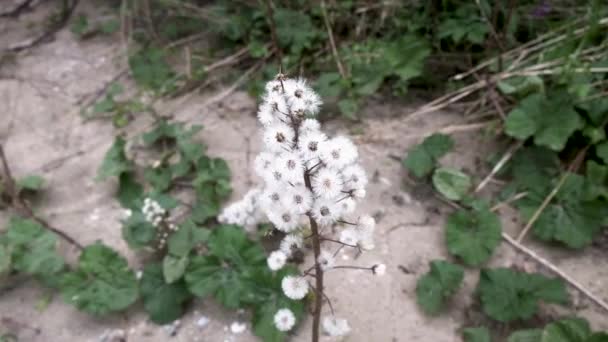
(284, 320)
(276, 260)
(334, 326)
(294, 287)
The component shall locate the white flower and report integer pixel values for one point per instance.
(334, 326)
(326, 259)
(299, 198)
(365, 228)
(290, 166)
(327, 183)
(349, 236)
(366, 223)
(379, 269)
(358, 193)
(290, 243)
(339, 152)
(294, 287)
(305, 102)
(277, 104)
(309, 126)
(153, 211)
(284, 320)
(246, 212)
(284, 219)
(270, 199)
(274, 86)
(263, 164)
(310, 145)
(238, 327)
(265, 114)
(354, 177)
(325, 212)
(278, 137)
(347, 205)
(276, 260)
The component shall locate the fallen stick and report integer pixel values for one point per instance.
(555, 270)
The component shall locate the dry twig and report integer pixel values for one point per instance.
(555, 270)
(23, 207)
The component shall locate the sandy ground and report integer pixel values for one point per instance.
(44, 133)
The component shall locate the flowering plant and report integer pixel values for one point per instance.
(310, 183)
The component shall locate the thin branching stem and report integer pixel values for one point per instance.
(23, 207)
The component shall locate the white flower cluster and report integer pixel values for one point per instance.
(153, 211)
(307, 176)
(334, 326)
(245, 212)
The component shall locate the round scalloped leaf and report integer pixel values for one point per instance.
(507, 295)
(102, 283)
(473, 235)
(435, 287)
(451, 183)
(163, 302)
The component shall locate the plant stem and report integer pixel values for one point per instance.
(316, 247)
(20, 205)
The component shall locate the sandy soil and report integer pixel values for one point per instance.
(44, 133)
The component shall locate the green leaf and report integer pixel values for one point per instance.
(150, 70)
(5, 258)
(174, 267)
(596, 181)
(551, 122)
(533, 168)
(34, 249)
(348, 108)
(521, 85)
(602, 151)
(480, 334)
(529, 335)
(163, 302)
(79, 25)
(102, 283)
(567, 330)
(507, 295)
(473, 235)
(569, 218)
(419, 162)
(159, 178)
(451, 183)
(31, 183)
(109, 26)
(434, 288)
(115, 161)
(187, 236)
(130, 192)
(422, 158)
(137, 231)
(598, 337)
(227, 272)
(270, 299)
(295, 29)
(212, 186)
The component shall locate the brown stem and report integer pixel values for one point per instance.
(22, 206)
(316, 247)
